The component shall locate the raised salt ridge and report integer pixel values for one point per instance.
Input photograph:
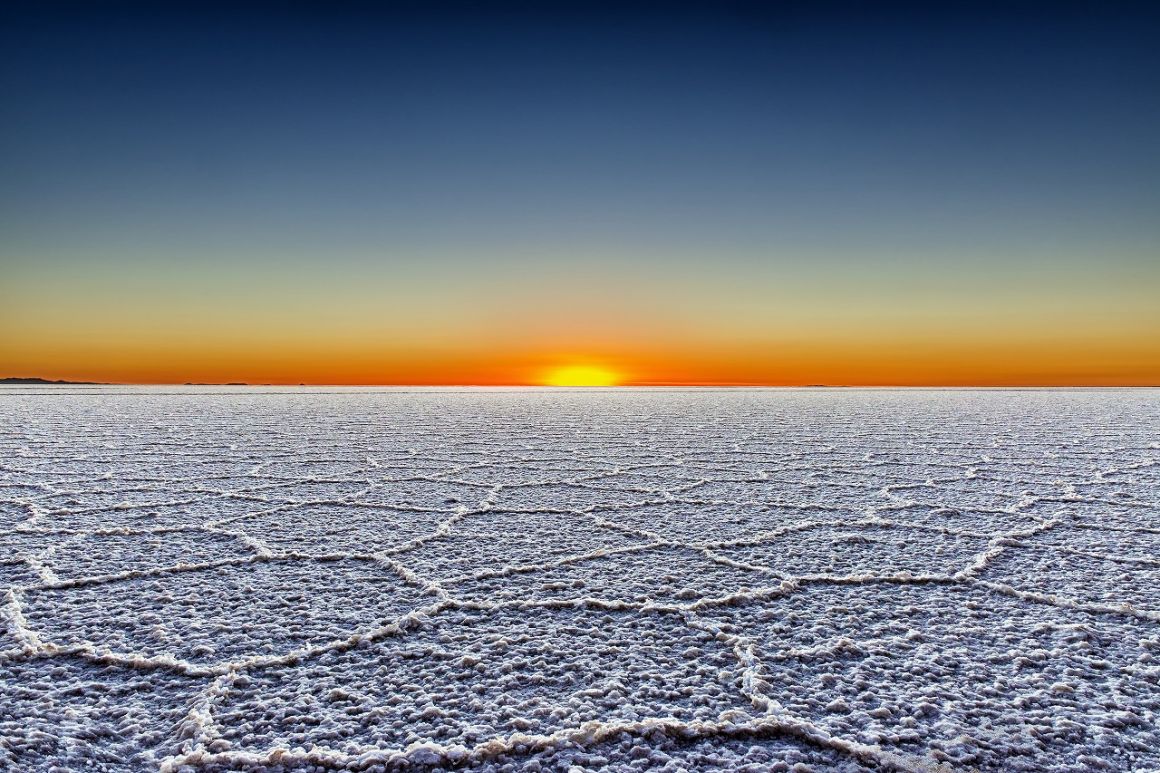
(499, 580)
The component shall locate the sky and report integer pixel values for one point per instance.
(493, 193)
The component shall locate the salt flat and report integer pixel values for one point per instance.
(213, 579)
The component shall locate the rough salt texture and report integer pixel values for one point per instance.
(65, 714)
(468, 677)
(249, 580)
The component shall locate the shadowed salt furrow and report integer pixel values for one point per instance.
(274, 580)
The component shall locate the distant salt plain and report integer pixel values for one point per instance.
(251, 579)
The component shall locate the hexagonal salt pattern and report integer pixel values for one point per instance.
(470, 676)
(270, 580)
(959, 674)
(227, 612)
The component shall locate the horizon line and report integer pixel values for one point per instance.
(32, 382)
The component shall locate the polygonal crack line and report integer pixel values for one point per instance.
(735, 564)
(35, 513)
(130, 506)
(999, 545)
(423, 754)
(548, 508)
(199, 726)
(38, 562)
(432, 587)
(976, 565)
(802, 507)
(1127, 503)
(202, 729)
(631, 531)
(675, 492)
(447, 526)
(104, 531)
(772, 535)
(888, 523)
(167, 662)
(1017, 539)
(658, 540)
(1140, 561)
(1121, 529)
(30, 640)
(1065, 602)
(155, 571)
(449, 475)
(774, 712)
(745, 652)
(276, 483)
(785, 587)
(442, 529)
(12, 614)
(275, 508)
(49, 579)
(257, 546)
(590, 483)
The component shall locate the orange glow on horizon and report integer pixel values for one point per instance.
(582, 376)
(213, 351)
(826, 363)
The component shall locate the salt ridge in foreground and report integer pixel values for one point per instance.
(641, 580)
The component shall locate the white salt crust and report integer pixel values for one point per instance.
(501, 580)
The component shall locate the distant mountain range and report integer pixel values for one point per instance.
(18, 380)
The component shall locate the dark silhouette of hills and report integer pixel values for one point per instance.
(23, 380)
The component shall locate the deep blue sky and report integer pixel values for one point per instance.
(605, 124)
(487, 142)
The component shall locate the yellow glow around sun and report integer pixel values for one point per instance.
(581, 375)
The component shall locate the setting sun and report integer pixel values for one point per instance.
(581, 375)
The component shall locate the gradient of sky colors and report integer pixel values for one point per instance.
(484, 194)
